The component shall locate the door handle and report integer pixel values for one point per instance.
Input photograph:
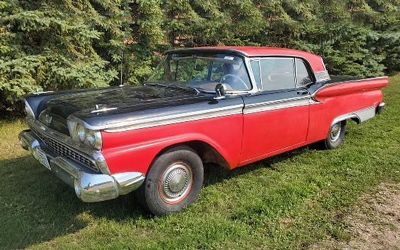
(302, 92)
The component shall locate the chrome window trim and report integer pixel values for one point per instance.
(255, 88)
(261, 81)
(259, 86)
(295, 73)
(292, 56)
(275, 57)
(310, 72)
(249, 72)
(323, 63)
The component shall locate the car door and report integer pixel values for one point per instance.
(276, 118)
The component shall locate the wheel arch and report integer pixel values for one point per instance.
(348, 117)
(207, 152)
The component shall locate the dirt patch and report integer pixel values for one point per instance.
(374, 223)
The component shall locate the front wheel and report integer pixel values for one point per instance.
(335, 136)
(173, 182)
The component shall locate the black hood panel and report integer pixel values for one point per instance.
(93, 105)
(113, 98)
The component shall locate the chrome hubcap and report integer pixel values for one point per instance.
(335, 132)
(176, 182)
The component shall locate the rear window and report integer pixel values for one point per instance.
(303, 76)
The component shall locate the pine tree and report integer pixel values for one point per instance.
(55, 44)
(52, 45)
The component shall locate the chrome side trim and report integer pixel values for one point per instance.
(278, 104)
(313, 102)
(360, 115)
(147, 122)
(345, 117)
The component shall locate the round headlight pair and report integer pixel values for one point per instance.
(87, 136)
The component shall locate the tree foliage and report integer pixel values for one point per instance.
(64, 44)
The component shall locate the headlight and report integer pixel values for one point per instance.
(81, 134)
(93, 139)
(28, 110)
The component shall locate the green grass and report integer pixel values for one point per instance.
(289, 201)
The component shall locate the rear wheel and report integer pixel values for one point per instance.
(173, 182)
(335, 136)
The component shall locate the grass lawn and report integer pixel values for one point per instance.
(290, 201)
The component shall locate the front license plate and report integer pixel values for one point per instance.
(41, 157)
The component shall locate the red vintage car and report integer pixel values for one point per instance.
(226, 105)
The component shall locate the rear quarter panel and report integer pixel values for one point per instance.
(338, 99)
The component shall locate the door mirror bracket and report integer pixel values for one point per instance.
(220, 91)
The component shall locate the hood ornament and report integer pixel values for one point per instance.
(102, 108)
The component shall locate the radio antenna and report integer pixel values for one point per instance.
(121, 71)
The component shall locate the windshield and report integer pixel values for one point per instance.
(202, 71)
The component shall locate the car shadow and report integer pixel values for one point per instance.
(214, 174)
(37, 207)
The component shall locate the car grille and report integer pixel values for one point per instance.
(62, 150)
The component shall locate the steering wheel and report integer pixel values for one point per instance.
(223, 78)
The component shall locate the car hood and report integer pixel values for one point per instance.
(89, 105)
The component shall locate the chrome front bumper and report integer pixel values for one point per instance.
(89, 186)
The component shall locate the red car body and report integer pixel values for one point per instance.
(239, 138)
(107, 142)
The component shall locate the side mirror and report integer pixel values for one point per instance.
(220, 90)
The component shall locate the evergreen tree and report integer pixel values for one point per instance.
(55, 44)
(52, 45)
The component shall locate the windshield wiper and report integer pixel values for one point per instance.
(175, 86)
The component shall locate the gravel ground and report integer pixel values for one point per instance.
(374, 223)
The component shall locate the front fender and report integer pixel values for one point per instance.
(135, 150)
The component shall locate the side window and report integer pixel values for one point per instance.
(302, 74)
(277, 73)
(255, 67)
